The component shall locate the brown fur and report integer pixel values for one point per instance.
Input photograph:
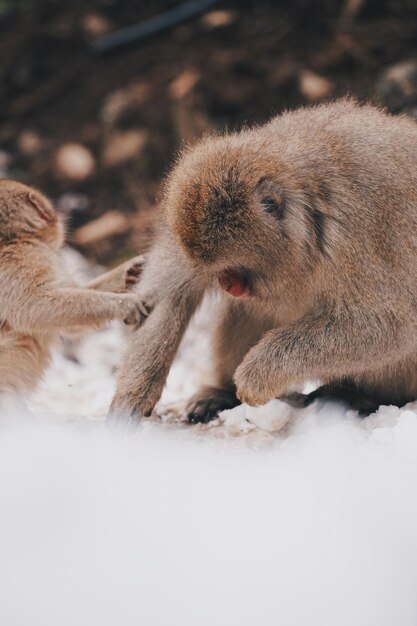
(318, 210)
(38, 300)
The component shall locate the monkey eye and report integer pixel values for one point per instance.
(271, 197)
(273, 204)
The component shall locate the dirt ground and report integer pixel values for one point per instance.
(98, 131)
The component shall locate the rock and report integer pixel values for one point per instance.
(312, 86)
(74, 161)
(217, 19)
(124, 146)
(123, 100)
(183, 84)
(95, 25)
(29, 143)
(107, 225)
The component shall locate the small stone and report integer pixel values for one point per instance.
(183, 84)
(312, 86)
(217, 19)
(124, 146)
(116, 103)
(95, 25)
(107, 225)
(74, 161)
(29, 142)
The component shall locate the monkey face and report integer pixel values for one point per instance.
(25, 212)
(255, 216)
(228, 209)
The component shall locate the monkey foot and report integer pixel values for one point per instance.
(205, 405)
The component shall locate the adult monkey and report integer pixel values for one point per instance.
(309, 223)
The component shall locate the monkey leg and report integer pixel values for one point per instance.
(328, 346)
(121, 278)
(237, 331)
(347, 392)
(23, 359)
(392, 383)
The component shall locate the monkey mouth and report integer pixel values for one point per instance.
(235, 282)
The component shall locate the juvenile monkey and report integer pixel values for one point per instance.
(38, 302)
(121, 278)
(309, 226)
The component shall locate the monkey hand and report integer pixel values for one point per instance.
(257, 383)
(126, 405)
(133, 271)
(132, 311)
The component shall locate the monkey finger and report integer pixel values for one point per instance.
(134, 319)
(133, 274)
(145, 309)
(135, 269)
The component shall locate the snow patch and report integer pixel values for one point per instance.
(269, 516)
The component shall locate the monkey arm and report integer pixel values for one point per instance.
(72, 307)
(151, 352)
(120, 278)
(33, 300)
(173, 291)
(326, 346)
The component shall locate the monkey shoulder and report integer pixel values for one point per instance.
(28, 264)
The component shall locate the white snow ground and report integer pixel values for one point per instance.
(270, 516)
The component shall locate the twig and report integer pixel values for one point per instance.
(149, 27)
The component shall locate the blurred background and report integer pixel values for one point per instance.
(97, 96)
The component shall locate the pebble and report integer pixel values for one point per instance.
(74, 161)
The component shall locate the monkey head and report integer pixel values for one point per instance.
(26, 213)
(242, 213)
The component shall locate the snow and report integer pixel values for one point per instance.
(268, 516)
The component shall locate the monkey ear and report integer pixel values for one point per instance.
(271, 197)
(36, 201)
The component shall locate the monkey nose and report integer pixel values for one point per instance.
(234, 282)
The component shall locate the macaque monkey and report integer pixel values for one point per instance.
(308, 225)
(38, 300)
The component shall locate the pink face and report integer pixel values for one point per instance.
(234, 282)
